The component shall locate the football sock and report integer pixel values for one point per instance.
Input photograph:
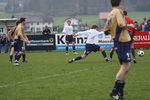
(111, 54)
(118, 87)
(73, 48)
(104, 54)
(133, 52)
(67, 48)
(17, 57)
(77, 58)
(23, 57)
(10, 57)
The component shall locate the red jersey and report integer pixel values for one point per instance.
(129, 21)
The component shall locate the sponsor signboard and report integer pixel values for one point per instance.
(101, 40)
(41, 42)
(142, 40)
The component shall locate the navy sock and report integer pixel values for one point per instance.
(17, 57)
(67, 48)
(10, 57)
(133, 52)
(104, 54)
(23, 57)
(111, 54)
(77, 58)
(119, 86)
(73, 48)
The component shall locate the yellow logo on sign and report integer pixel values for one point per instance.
(51, 40)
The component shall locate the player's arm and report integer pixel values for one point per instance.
(22, 35)
(83, 33)
(64, 31)
(120, 20)
(106, 29)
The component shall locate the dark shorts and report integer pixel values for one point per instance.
(18, 45)
(12, 43)
(91, 48)
(123, 51)
(70, 39)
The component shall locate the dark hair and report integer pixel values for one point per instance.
(115, 3)
(22, 19)
(135, 22)
(148, 20)
(144, 18)
(94, 27)
(17, 22)
(125, 13)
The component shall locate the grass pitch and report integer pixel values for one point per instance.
(47, 76)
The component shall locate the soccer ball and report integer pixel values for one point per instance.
(141, 53)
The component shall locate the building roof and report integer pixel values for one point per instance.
(34, 18)
(9, 19)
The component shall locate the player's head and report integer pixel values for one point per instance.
(125, 13)
(148, 21)
(94, 27)
(23, 20)
(116, 3)
(69, 22)
(144, 19)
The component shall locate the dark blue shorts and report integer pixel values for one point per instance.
(12, 43)
(18, 45)
(91, 48)
(70, 39)
(123, 51)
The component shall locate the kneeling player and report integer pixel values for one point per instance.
(90, 44)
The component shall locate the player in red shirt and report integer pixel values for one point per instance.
(131, 33)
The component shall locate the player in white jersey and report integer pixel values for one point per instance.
(90, 44)
(68, 31)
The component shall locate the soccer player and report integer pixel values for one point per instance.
(20, 37)
(11, 35)
(117, 27)
(131, 33)
(68, 31)
(90, 44)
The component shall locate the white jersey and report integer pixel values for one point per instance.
(91, 35)
(68, 30)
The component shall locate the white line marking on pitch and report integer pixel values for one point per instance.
(44, 77)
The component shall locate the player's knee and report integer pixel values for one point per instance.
(102, 49)
(83, 56)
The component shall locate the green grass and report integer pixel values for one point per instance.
(47, 76)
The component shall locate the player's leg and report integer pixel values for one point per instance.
(11, 55)
(102, 50)
(124, 58)
(86, 53)
(112, 53)
(24, 55)
(133, 53)
(11, 51)
(67, 44)
(74, 48)
(18, 50)
(67, 48)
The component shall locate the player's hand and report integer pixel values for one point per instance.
(28, 42)
(107, 32)
(131, 25)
